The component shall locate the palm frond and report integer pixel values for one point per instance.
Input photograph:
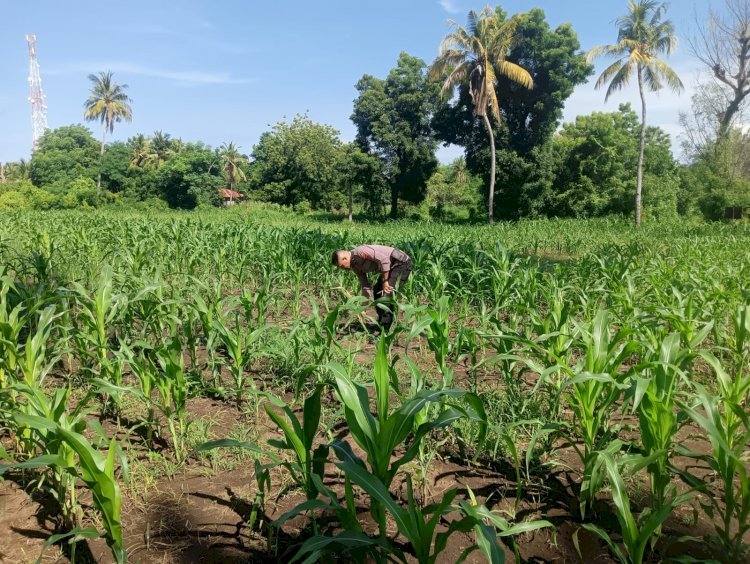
(457, 39)
(472, 22)
(608, 73)
(458, 76)
(445, 63)
(617, 50)
(516, 73)
(491, 96)
(662, 70)
(621, 78)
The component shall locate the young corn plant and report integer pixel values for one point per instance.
(592, 390)
(725, 419)
(207, 311)
(36, 439)
(172, 392)
(60, 446)
(298, 437)
(97, 314)
(39, 355)
(637, 531)
(146, 373)
(380, 435)
(242, 344)
(12, 322)
(655, 392)
(419, 526)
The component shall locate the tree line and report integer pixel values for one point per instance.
(497, 89)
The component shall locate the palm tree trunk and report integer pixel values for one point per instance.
(101, 155)
(491, 204)
(639, 179)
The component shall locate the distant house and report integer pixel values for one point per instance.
(229, 197)
(734, 212)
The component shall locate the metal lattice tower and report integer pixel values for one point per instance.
(36, 96)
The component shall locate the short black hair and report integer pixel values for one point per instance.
(336, 257)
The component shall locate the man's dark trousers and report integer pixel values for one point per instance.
(396, 277)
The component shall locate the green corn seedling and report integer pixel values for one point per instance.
(726, 421)
(379, 435)
(636, 531)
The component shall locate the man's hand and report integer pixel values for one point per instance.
(387, 288)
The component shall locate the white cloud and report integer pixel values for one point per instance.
(197, 77)
(449, 6)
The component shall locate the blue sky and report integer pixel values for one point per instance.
(227, 70)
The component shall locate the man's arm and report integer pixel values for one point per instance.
(364, 284)
(384, 282)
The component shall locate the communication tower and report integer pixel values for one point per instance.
(36, 96)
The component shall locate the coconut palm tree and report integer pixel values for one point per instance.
(642, 36)
(231, 160)
(107, 103)
(161, 148)
(475, 56)
(18, 170)
(140, 149)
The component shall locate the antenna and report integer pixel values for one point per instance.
(36, 96)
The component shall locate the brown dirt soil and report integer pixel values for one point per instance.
(198, 513)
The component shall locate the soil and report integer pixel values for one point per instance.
(199, 513)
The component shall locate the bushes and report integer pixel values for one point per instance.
(14, 200)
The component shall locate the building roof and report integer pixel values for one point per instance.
(227, 193)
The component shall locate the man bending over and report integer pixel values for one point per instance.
(393, 265)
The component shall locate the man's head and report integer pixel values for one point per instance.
(342, 259)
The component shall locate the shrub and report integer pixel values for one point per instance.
(14, 200)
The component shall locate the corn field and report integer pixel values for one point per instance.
(207, 387)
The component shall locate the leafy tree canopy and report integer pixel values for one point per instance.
(64, 153)
(393, 120)
(190, 178)
(589, 168)
(528, 117)
(299, 161)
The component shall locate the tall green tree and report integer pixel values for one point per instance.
(556, 63)
(231, 165)
(393, 120)
(63, 155)
(362, 174)
(643, 35)
(184, 180)
(298, 162)
(108, 104)
(476, 56)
